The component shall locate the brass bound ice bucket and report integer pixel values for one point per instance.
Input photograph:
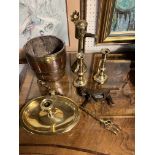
(47, 57)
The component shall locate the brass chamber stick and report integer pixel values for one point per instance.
(100, 76)
(79, 65)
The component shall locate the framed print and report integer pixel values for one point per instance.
(116, 21)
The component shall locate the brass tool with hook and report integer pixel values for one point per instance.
(108, 124)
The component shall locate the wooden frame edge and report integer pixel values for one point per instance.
(106, 8)
(105, 14)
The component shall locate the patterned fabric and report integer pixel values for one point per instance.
(42, 17)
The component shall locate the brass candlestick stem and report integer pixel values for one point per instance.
(100, 76)
(80, 81)
(80, 34)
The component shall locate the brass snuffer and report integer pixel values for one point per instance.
(80, 34)
(80, 81)
(100, 76)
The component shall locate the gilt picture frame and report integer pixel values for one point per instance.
(104, 23)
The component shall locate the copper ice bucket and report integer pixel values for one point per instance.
(47, 57)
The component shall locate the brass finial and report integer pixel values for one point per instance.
(75, 16)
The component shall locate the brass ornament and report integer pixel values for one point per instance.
(75, 16)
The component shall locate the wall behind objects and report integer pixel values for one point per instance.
(49, 17)
(42, 17)
(92, 19)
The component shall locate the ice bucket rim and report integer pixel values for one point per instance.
(45, 56)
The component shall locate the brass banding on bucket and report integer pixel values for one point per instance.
(47, 57)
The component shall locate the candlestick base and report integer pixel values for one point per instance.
(100, 78)
(80, 83)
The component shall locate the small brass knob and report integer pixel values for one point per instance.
(75, 16)
(105, 51)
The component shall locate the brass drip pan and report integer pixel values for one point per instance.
(49, 115)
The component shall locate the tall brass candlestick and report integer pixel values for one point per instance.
(80, 34)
